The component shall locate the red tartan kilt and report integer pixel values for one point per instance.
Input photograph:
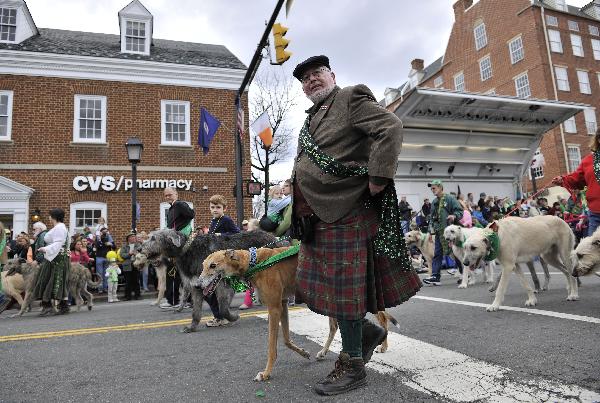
(340, 276)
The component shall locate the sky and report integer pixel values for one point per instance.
(368, 41)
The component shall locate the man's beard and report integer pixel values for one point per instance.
(320, 95)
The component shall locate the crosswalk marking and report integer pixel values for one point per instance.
(554, 314)
(446, 373)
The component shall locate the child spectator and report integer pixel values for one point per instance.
(79, 253)
(220, 223)
(112, 275)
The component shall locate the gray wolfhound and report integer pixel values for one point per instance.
(79, 279)
(189, 257)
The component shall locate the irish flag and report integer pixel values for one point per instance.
(262, 128)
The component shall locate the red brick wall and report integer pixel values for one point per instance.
(42, 133)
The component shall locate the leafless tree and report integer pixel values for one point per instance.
(272, 91)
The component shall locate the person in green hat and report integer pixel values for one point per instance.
(445, 210)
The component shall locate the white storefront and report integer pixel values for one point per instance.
(14, 205)
(482, 143)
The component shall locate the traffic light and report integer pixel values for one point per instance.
(280, 43)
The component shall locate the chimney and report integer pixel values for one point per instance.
(460, 6)
(418, 64)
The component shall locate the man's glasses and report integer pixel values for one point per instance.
(317, 73)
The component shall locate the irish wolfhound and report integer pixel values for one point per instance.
(189, 258)
(79, 279)
(422, 242)
(520, 240)
(456, 237)
(160, 266)
(586, 257)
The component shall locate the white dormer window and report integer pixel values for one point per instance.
(8, 24)
(136, 28)
(135, 36)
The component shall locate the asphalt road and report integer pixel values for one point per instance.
(448, 348)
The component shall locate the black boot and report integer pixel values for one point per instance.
(63, 308)
(349, 374)
(46, 308)
(372, 336)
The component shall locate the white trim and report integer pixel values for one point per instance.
(460, 74)
(9, 7)
(88, 205)
(558, 40)
(575, 38)
(591, 123)
(596, 49)
(559, 80)
(574, 162)
(554, 20)
(586, 82)
(573, 25)
(522, 87)
(163, 122)
(569, 125)
(517, 51)
(482, 37)
(76, 110)
(123, 70)
(483, 69)
(9, 115)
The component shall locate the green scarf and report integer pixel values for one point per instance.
(494, 245)
(389, 240)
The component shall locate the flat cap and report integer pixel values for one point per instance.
(312, 61)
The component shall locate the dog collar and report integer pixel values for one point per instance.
(460, 244)
(252, 257)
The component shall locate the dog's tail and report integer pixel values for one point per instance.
(391, 319)
(91, 283)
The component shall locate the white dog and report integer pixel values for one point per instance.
(586, 257)
(421, 241)
(520, 240)
(456, 236)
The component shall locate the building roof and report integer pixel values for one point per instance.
(78, 43)
(429, 71)
(572, 10)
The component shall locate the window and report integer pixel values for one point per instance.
(574, 157)
(573, 26)
(561, 5)
(85, 214)
(570, 126)
(490, 92)
(90, 119)
(552, 20)
(8, 24)
(6, 99)
(459, 82)
(485, 68)
(135, 36)
(596, 48)
(590, 120)
(175, 123)
(516, 50)
(480, 36)
(584, 82)
(593, 30)
(577, 45)
(438, 82)
(562, 78)
(522, 86)
(539, 171)
(555, 42)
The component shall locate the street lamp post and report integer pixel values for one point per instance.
(134, 154)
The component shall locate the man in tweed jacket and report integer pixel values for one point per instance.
(338, 273)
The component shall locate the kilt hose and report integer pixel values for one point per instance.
(340, 276)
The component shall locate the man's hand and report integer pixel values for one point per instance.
(557, 181)
(374, 189)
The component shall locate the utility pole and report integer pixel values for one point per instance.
(238, 104)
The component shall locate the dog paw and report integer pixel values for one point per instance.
(492, 308)
(321, 355)
(154, 303)
(381, 349)
(188, 329)
(573, 298)
(89, 307)
(261, 377)
(531, 302)
(462, 285)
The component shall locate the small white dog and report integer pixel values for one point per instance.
(520, 241)
(456, 236)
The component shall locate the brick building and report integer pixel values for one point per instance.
(525, 48)
(70, 100)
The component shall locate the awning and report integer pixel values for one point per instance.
(472, 136)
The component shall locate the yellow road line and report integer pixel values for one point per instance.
(115, 328)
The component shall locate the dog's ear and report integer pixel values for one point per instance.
(230, 254)
(493, 226)
(175, 238)
(21, 260)
(487, 242)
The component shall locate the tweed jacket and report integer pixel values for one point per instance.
(350, 126)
